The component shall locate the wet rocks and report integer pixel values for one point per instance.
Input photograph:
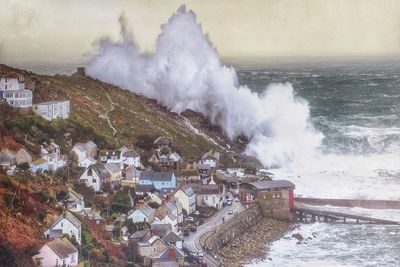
(254, 243)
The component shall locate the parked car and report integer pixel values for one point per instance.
(189, 219)
(200, 254)
(185, 232)
(193, 228)
(229, 202)
(197, 213)
(230, 211)
(236, 199)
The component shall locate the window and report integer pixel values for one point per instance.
(61, 224)
(94, 180)
(72, 258)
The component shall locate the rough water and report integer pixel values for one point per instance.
(357, 108)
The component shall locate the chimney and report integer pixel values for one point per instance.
(171, 252)
(151, 232)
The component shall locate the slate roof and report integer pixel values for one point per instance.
(156, 176)
(63, 248)
(162, 141)
(161, 229)
(73, 195)
(144, 188)
(101, 171)
(166, 254)
(171, 237)
(130, 154)
(141, 235)
(276, 184)
(68, 216)
(212, 153)
(91, 144)
(187, 190)
(206, 189)
(112, 167)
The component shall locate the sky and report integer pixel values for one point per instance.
(65, 30)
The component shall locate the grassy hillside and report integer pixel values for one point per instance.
(119, 115)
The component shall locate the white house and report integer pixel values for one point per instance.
(66, 223)
(54, 161)
(53, 109)
(94, 176)
(176, 208)
(187, 198)
(210, 195)
(164, 215)
(144, 213)
(75, 201)
(130, 157)
(39, 165)
(8, 159)
(23, 156)
(12, 89)
(85, 153)
(211, 158)
(57, 253)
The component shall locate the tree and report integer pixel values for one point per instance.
(6, 257)
(24, 166)
(121, 201)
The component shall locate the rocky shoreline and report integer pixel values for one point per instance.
(254, 243)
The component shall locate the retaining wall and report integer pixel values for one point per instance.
(214, 240)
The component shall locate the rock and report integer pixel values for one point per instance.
(298, 236)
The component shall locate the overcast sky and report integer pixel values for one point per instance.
(64, 30)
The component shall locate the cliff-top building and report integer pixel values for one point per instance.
(12, 90)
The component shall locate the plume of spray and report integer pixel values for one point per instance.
(185, 72)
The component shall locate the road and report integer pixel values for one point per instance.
(193, 240)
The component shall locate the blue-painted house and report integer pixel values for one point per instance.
(158, 179)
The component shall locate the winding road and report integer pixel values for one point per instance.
(193, 240)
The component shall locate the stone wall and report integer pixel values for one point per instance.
(213, 241)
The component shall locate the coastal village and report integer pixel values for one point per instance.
(122, 206)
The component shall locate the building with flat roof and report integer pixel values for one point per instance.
(52, 110)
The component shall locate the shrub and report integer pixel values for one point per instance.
(154, 205)
(121, 202)
(43, 196)
(6, 257)
(6, 182)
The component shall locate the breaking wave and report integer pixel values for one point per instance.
(185, 72)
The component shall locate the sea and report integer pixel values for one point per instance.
(355, 104)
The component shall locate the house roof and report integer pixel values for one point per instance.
(187, 190)
(63, 248)
(265, 185)
(73, 195)
(144, 188)
(68, 216)
(163, 141)
(171, 237)
(130, 154)
(101, 171)
(147, 210)
(163, 211)
(24, 153)
(212, 153)
(206, 189)
(161, 229)
(8, 153)
(156, 176)
(80, 146)
(52, 102)
(91, 144)
(170, 253)
(112, 167)
(140, 235)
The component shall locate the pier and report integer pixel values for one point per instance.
(305, 215)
